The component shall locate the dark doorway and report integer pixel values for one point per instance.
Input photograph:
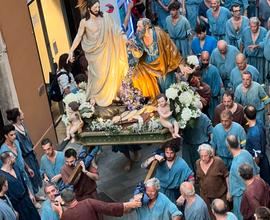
(73, 17)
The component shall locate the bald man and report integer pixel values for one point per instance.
(210, 76)
(219, 210)
(195, 207)
(217, 17)
(242, 66)
(223, 57)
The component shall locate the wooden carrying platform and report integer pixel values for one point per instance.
(102, 138)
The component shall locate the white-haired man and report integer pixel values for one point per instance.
(159, 206)
(252, 40)
(195, 207)
(215, 183)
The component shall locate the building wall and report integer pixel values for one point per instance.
(15, 24)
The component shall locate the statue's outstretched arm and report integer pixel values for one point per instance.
(77, 39)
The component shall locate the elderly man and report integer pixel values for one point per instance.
(212, 176)
(210, 76)
(256, 142)
(221, 131)
(48, 210)
(235, 26)
(236, 185)
(220, 212)
(229, 104)
(195, 207)
(159, 206)
(158, 58)
(84, 185)
(252, 93)
(91, 208)
(242, 66)
(252, 40)
(193, 137)
(179, 29)
(223, 57)
(171, 171)
(51, 163)
(256, 193)
(217, 16)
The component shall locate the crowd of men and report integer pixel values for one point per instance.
(224, 170)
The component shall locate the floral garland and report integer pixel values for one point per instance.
(128, 94)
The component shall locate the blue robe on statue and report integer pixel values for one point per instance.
(52, 169)
(179, 33)
(233, 37)
(211, 77)
(224, 64)
(255, 96)
(161, 13)
(163, 209)
(197, 211)
(236, 76)
(47, 212)
(192, 9)
(19, 197)
(171, 178)
(256, 141)
(210, 44)
(150, 55)
(218, 141)
(217, 25)
(236, 183)
(194, 136)
(30, 158)
(255, 57)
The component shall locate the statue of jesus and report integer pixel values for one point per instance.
(104, 45)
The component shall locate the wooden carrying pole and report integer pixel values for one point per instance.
(151, 171)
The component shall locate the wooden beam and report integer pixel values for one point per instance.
(151, 171)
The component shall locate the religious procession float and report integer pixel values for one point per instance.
(132, 118)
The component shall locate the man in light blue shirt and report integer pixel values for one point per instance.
(236, 183)
(223, 57)
(159, 206)
(220, 133)
(48, 211)
(51, 162)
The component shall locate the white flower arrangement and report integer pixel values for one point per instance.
(107, 126)
(86, 110)
(184, 102)
(193, 60)
(153, 125)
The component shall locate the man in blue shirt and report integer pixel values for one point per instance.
(51, 163)
(221, 131)
(236, 183)
(223, 57)
(48, 211)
